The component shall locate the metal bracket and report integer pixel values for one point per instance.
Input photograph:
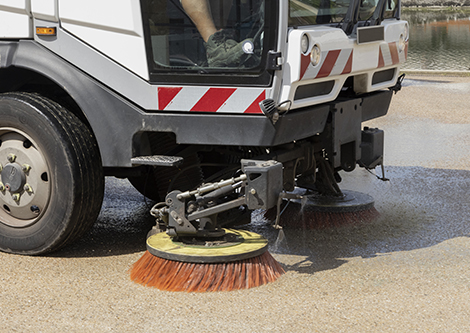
(274, 61)
(194, 213)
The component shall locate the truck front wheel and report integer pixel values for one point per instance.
(51, 176)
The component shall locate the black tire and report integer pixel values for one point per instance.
(66, 182)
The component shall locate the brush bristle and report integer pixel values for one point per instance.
(311, 219)
(171, 275)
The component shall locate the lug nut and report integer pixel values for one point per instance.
(11, 158)
(16, 197)
(2, 187)
(28, 188)
(26, 167)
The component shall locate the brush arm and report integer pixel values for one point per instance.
(194, 213)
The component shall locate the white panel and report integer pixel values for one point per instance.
(114, 27)
(21, 6)
(365, 57)
(45, 10)
(15, 21)
(387, 55)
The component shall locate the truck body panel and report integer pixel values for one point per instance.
(113, 28)
(103, 53)
(15, 19)
(45, 10)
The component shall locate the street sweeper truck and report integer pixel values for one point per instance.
(210, 108)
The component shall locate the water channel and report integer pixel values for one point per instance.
(439, 39)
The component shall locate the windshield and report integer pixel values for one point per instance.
(310, 12)
(205, 35)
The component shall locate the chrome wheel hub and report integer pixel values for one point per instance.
(25, 187)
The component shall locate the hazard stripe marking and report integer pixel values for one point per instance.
(254, 107)
(328, 64)
(205, 99)
(240, 101)
(166, 95)
(341, 62)
(186, 98)
(213, 99)
(304, 63)
(389, 55)
(348, 67)
(334, 62)
(394, 53)
(381, 59)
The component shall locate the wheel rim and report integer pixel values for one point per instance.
(25, 185)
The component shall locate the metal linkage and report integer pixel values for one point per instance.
(194, 213)
(210, 187)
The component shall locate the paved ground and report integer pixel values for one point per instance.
(407, 271)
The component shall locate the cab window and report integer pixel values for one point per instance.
(205, 35)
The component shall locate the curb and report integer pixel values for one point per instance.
(435, 72)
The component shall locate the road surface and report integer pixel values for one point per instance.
(407, 271)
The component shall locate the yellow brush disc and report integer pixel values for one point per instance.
(236, 245)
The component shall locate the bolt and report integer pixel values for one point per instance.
(26, 168)
(176, 217)
(2, 187)
(11, 158)
(28, 188)
(16, 197)
(253, 191)
(35, 209)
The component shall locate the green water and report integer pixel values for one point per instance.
(439, 39)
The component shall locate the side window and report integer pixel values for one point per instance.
(368, 7)
(311, 12)
(391, 8)
(205, 35)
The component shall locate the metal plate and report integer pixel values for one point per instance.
(370, 34)
(158, 160)
(248, 245)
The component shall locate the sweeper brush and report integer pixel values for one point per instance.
(316, 211)
(238, 260)
(195, 253)
(317, 202)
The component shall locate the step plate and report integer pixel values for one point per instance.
(158, 160)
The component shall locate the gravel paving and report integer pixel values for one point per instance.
(407, 271)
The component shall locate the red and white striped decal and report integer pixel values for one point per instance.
(389, 55)
(334, 62)
(203, 99)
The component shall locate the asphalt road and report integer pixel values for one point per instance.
(407, 271)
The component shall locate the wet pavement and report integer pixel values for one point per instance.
(406, 271)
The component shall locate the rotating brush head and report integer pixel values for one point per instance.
(238, 261)
(322, 212)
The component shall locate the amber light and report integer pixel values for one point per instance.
(43, 31)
